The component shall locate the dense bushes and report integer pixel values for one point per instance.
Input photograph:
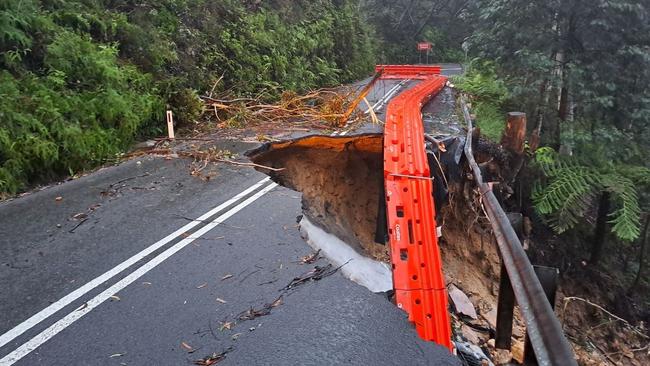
(79, 80)
(489, 95)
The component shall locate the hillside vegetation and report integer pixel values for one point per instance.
(80, 80)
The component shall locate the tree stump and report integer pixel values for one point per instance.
(514, 136)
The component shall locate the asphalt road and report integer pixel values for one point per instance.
(77, 288)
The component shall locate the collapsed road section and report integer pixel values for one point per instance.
(373, 189)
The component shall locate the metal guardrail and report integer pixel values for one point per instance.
(543, 328)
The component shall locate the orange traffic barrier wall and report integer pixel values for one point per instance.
(408, 71)
(417, 266)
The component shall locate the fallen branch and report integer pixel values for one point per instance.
(568, 300)
(250, 165)
(251, 313)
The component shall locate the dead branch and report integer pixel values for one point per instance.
(568, 300)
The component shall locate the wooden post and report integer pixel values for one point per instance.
(514, 136)
(170, 124)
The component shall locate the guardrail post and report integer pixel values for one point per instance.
(548, 277)
(543, 327)
(505, 312)
(506, 300)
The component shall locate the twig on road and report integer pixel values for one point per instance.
(316, 274)
(251, 313)
(76, 226)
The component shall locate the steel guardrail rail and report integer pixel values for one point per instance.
(542, 325)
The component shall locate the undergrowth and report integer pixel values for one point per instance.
(488, 95)
(571, 186)
(79, 80)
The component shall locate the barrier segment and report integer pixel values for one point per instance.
(420, 72)
(417, 266)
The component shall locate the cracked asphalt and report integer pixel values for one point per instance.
(55, 240)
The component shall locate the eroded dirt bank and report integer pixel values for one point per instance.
(340, 179)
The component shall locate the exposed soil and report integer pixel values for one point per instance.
(340, 179)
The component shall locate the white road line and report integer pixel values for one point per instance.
(75, 315)
(74, 295)
(381, 100)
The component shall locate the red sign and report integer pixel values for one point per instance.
(424, 46)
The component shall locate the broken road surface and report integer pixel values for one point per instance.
(142, 281)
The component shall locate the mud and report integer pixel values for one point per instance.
(340, 179)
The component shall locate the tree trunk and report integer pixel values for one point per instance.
(535, 138)
(644, 240)
(601, 229)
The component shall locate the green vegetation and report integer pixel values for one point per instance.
(80, 80)
(571, 185)
(401, 24)
(565, 66)
(489, 97)
(578, 72)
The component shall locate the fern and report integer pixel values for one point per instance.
(568, 196)
(626, 219)
(570, 187)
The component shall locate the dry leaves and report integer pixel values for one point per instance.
(80, 216)
(226, 326)
(309, 259)
(213, 359)
(187, 347)
(226, 277)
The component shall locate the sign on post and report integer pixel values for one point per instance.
(424, 46)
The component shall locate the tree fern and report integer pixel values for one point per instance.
(626, 219)
(569, 189)
(567, 197)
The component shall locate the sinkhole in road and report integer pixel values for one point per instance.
(341, 181)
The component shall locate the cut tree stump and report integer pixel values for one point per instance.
(514, 136)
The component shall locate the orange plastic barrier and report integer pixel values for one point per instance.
(417, 266)
(408, 71)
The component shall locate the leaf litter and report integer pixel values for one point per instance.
(213, 359)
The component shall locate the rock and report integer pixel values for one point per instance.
(470, 334)
(491, 317)
(495, 288)
(471, 353)
(462, 303)
(518, 331)
(144, 145)
(518, 351)
(502, 357)
(491, 343)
